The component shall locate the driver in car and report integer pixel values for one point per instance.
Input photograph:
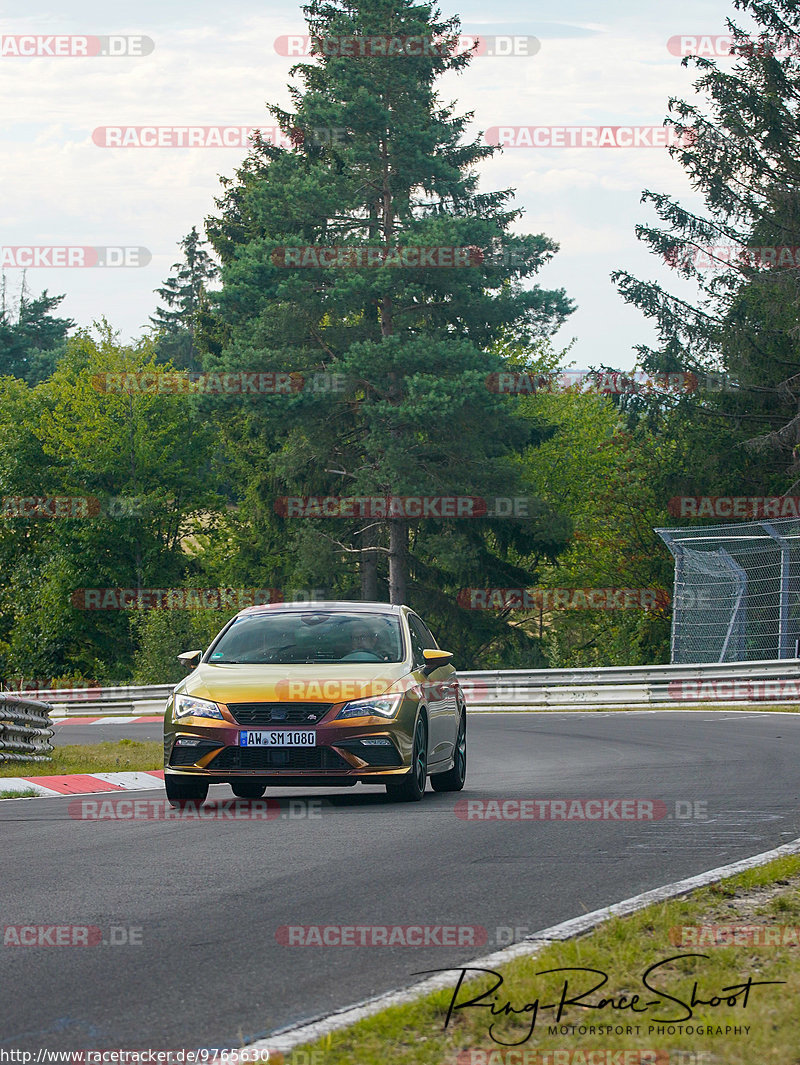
(365, 644)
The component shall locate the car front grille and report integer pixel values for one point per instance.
(269, 758)
(283, 713)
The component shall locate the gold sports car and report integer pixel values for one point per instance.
(317, 694)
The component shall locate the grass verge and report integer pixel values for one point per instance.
(120, 756)
(624, 948)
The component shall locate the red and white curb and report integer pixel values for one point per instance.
(288, 1038)
(85, 783)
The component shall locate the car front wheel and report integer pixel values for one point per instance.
(411, 787)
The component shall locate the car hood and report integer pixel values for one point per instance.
(319, 683)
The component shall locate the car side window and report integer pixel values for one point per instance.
(429, 640)
(420, 638)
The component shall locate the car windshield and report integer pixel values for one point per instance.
(292, 638)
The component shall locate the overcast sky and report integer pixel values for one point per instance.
(216, 64)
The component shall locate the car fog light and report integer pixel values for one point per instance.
(380, 742)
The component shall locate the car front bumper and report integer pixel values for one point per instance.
(339, 755)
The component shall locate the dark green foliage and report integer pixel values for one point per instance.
(380, 162)
(183, 295)
(33, 339)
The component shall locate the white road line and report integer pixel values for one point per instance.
(289, 1038)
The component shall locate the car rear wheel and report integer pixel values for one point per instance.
(246, 790)
(411, 786)
(453, 779)
(183, 790)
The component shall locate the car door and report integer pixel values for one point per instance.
(440, 694)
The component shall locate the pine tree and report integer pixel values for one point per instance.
(183, 295)
(740, 334)
(32, 338)
(380, 162)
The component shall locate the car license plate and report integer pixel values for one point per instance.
(273, 738)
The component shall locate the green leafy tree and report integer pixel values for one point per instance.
(144, 464)
(606, 481)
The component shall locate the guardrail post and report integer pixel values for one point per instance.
(784, 649)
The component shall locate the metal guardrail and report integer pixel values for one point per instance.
(89, 702)
(721, 684)
(24, 729)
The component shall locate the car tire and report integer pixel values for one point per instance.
(246, 790)
(453, 779)
(411, 786)
(183, 790)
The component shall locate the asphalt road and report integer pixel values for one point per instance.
(66, 734)
(207, 898)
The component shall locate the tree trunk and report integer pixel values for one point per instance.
(369, 566)
(398, 560)
(398, 528)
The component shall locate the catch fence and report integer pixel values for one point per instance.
(736, 592)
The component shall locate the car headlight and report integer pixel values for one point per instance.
(186, 706)
(385, 706)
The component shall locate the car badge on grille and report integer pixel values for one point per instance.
(278, 715)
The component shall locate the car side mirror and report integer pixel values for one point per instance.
(434, 658)
(190, 659)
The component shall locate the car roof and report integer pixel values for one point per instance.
(350, 606)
